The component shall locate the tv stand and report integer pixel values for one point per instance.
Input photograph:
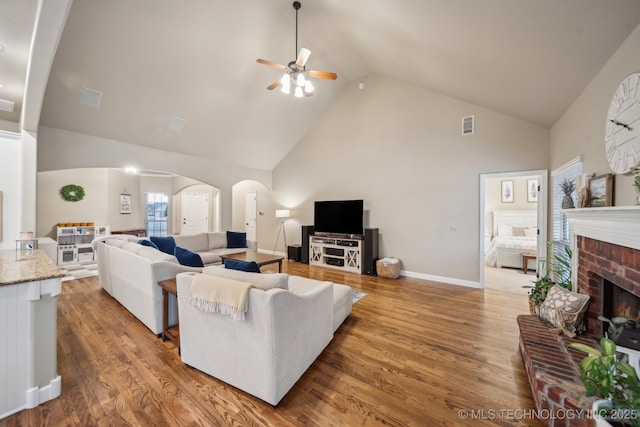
(345, 253)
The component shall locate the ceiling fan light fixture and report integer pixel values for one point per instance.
(308, 87)
(296, 72)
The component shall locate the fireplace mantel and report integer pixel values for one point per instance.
(619, 225)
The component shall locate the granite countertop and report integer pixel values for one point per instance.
(31, 269)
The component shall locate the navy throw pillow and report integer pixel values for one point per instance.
(248, 266)
(188, 258)
(165, 244)
(236, 239)
(145, 242)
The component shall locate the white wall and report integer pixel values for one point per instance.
(580, 131)
(10, 185)
(400, 149)
(59, 149)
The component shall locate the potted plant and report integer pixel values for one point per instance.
(568, 186)
(558, 271)
(636, 183)
(615, 382)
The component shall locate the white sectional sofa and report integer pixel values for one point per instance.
(129, 271)
(284, 331)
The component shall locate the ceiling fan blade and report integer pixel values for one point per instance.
(270, 63)
(323, 75)
(303, 57)
(274, 85)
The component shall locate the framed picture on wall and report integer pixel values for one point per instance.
(532, 190)
(601, 190)
(125, 203)
(506, 195)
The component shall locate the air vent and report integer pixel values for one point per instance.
(7, 106)
(468, 125)
(176, 124)
(90, 98)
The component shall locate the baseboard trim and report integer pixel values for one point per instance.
(441, 279)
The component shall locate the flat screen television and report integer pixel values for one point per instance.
(343, 217)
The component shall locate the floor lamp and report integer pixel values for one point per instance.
(283, 214)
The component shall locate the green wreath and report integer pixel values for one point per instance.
(72, 193)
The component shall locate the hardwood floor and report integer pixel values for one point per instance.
(412, 353)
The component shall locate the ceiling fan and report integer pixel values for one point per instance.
(296, 75)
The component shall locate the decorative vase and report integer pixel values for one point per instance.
(567, 202)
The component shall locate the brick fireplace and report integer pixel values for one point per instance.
(606, 261)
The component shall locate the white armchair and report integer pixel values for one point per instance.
(265, 354)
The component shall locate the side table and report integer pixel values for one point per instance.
(526, 256)
(169, 333)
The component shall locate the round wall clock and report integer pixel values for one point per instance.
(622, 129)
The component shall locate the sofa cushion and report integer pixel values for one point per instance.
(248, 266)
(194, 242)
(145, 242)
(118, 243)
(187, 257)
(165, 244)
(236, 239)
(209, 257)
(217, 240)
(260, 281)
(132, 247)
(155, 255)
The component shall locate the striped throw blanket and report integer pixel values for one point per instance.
(220, 295)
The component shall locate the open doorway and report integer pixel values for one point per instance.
(513, 228)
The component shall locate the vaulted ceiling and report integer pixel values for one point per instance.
(157, 60)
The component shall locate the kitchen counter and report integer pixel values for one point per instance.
(29, 289)
(40, 267)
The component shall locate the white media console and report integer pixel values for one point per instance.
(352, 254)
(336, 252)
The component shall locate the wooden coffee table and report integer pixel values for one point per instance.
(260, 258)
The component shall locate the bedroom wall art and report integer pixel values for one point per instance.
(507, 192)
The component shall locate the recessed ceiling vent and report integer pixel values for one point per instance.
(468, 125)
(90, 98)
(6, 105)
(176, 124)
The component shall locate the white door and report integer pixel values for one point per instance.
(250, 211)
(195, 213)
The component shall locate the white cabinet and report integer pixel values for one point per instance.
(340, 253)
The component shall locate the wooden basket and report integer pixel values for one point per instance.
(387, 269)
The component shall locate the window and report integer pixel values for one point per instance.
(157, 214)
(560, 225)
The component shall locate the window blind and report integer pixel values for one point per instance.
(560, 225)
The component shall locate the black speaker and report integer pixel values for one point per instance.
(307, 230)
(294, 252)
(370, 254)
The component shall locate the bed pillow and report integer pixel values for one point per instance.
(165, 244)
(530, 232)
(518, 231)
(564, 309)
(188, 258)
(505, 230)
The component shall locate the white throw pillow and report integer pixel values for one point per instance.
(530, 232)
(504, 230)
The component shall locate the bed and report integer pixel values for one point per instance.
(514, 232)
